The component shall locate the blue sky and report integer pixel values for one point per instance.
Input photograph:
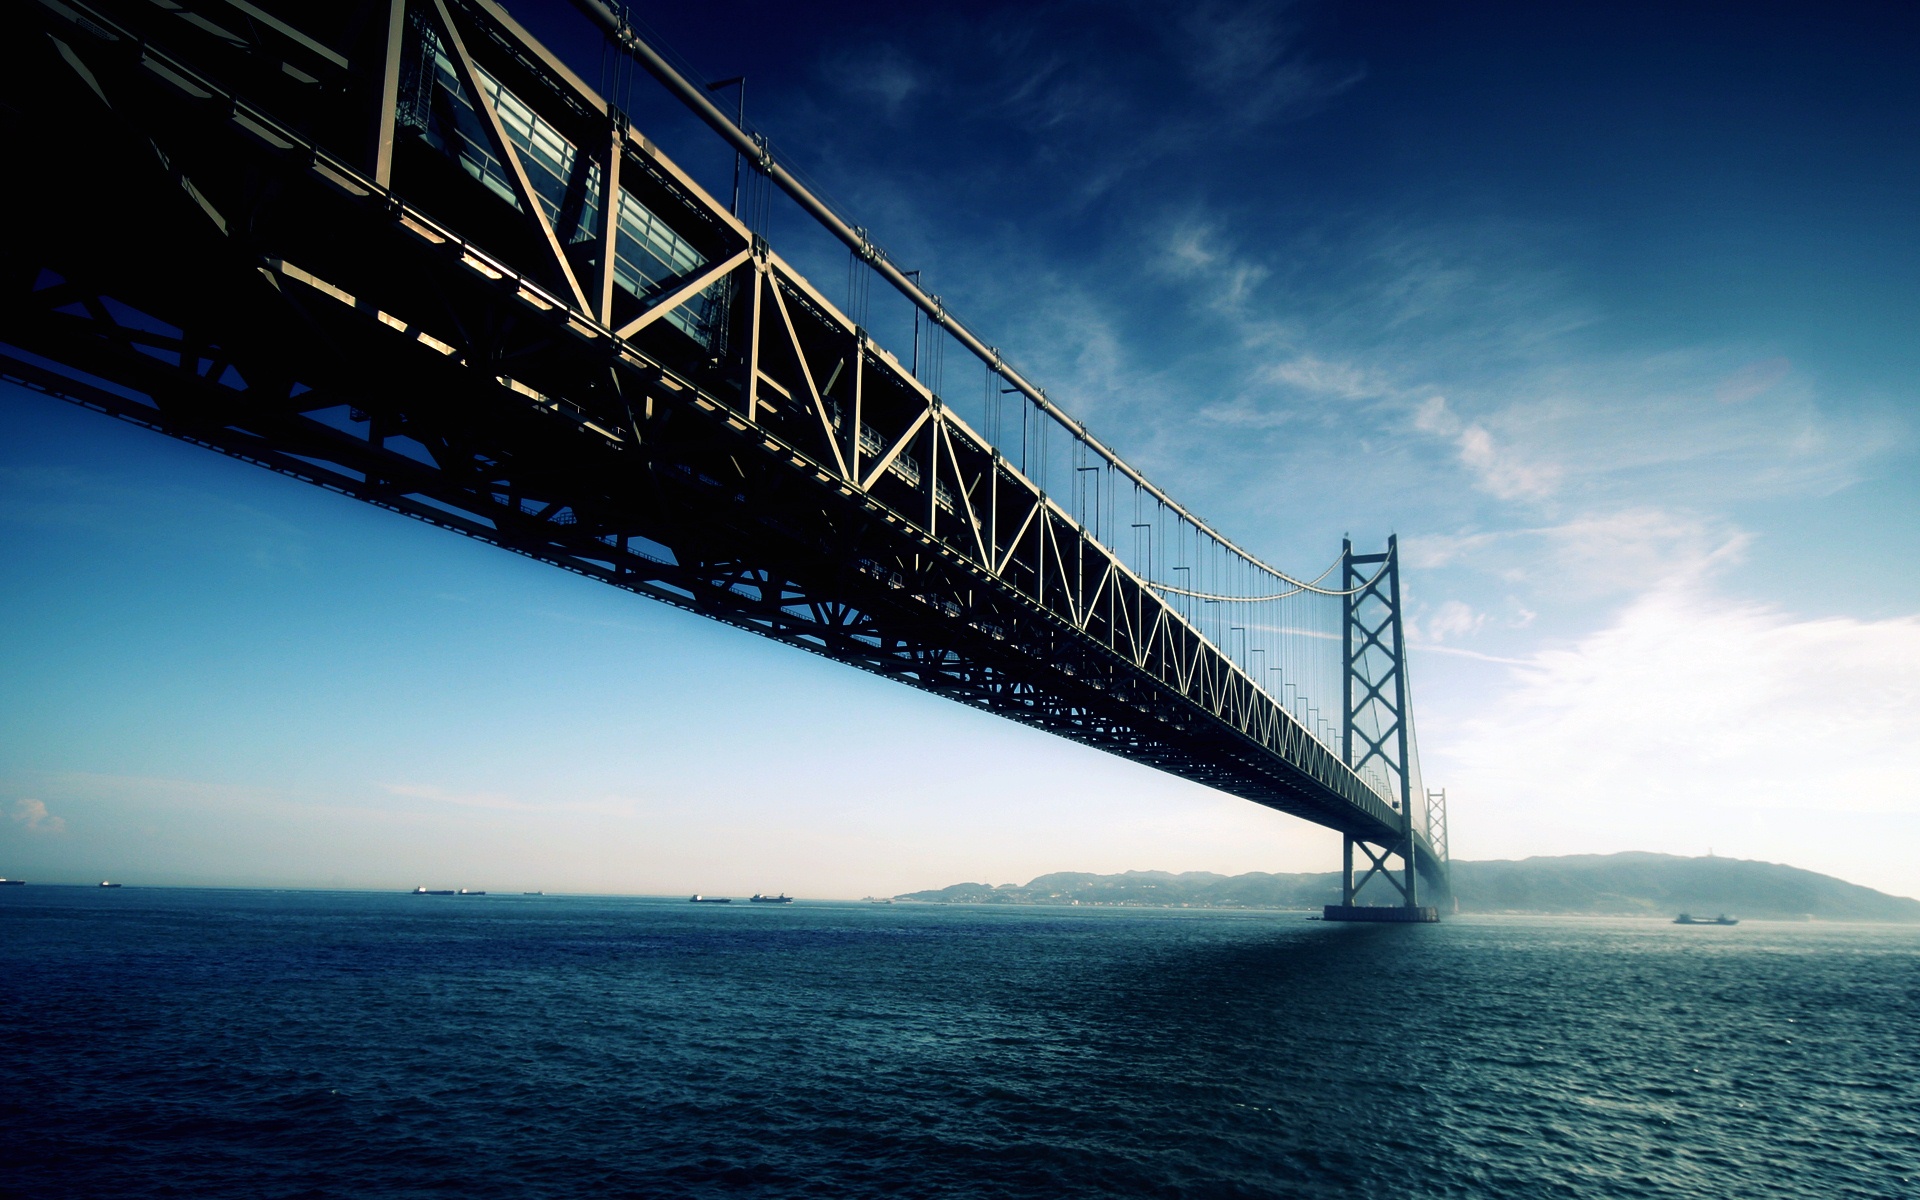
(1608, 310)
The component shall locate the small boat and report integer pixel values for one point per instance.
(699, 899)
(782, 898)
(420, 891)
(1690, 919)
(104, 883)
(13, 883)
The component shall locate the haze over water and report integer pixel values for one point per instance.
(231, 1043)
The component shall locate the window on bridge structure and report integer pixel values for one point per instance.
(649, 255)
(904, 466)
(435, 105)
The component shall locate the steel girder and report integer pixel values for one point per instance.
(280, 272)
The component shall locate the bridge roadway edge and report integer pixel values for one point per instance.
(729, 564)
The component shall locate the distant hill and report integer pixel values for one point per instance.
(1631, 884)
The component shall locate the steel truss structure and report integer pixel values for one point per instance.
(397, 249)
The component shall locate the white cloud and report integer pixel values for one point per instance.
(33, 815)
(1452, 620)
(1692, 718)
(1497, 469)
(1433, 416)
(1500, 471)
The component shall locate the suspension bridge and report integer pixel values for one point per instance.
(401, 250)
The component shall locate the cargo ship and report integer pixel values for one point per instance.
(1690, 919)
(699, 899)
(13, 883)
(782, 898)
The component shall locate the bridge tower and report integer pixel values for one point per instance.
(1437, 839)
(1375, 733)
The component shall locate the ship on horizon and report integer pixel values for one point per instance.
(758, 898)
(699, 899)
(1690, 919)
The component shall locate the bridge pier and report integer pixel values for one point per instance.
(1404, 880)
(1393, 914)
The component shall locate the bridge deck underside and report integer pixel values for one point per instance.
(253, 294)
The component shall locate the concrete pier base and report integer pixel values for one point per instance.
(1396, 914)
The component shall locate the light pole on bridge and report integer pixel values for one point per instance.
(1096, 499)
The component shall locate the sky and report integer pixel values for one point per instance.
(1607, 310)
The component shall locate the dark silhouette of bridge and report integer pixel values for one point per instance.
(399, 249)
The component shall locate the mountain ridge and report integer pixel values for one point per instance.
(1630, 883)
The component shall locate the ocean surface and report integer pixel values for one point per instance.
(162, 1042)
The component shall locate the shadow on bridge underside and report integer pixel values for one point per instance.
(397, 250)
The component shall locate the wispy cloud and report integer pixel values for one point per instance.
(495, 801)
(102, 505)
(1315, 375)
(1617, 554)
(461, 799)
(883, 77)
(1754, 379)
(1469, 340)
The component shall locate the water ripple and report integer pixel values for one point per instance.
(201, 1043)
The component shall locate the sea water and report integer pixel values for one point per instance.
(212, 1043)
